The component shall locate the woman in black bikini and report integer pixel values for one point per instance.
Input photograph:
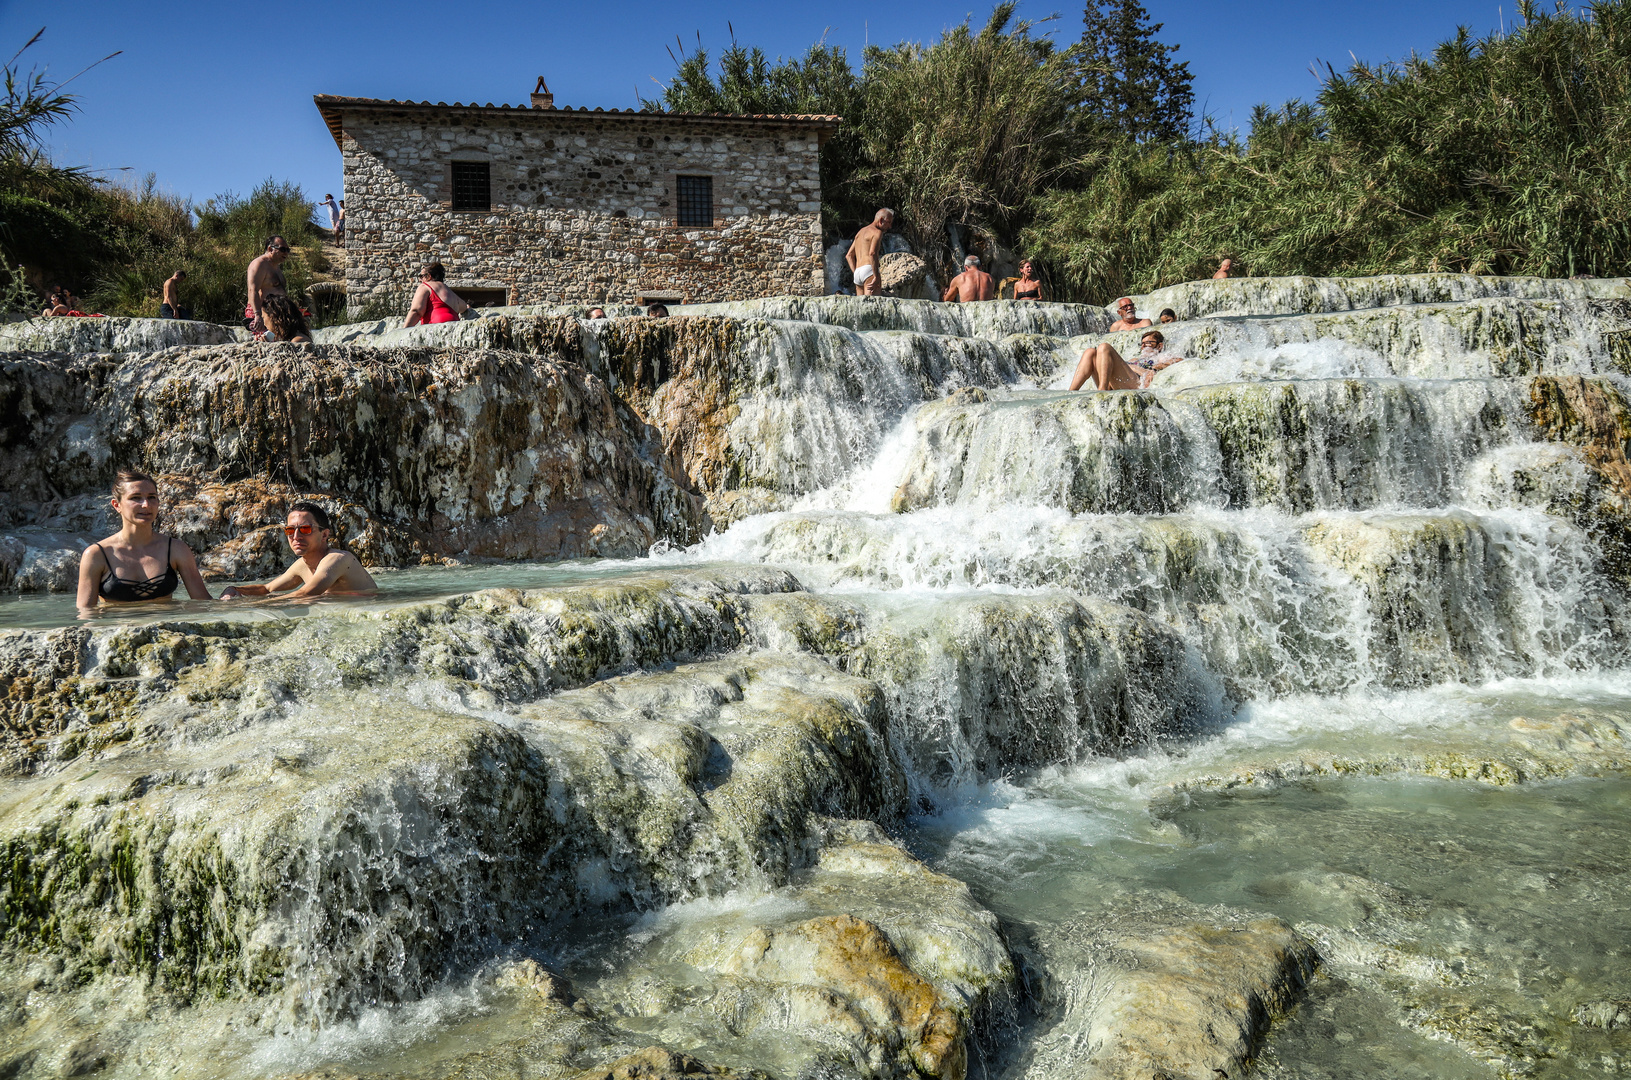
(1027, 286)
(121, 568)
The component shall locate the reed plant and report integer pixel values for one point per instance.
(970, 128)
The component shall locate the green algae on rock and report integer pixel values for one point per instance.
(1136, 655)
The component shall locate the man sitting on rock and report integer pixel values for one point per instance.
(1129, 317)
(972, 284)
(319, 569)
(866, 250)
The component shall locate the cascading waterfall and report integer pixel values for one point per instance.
(1009, 730)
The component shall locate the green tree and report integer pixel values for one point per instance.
(1509, 154)
(1130, 80)
(822, 83)
(971, 128)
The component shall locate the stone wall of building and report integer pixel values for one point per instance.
(582, 206)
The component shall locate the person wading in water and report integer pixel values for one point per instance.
(318, 570)
(137, 563)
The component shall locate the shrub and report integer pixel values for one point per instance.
(1504, 155)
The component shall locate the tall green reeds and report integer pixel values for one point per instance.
(1509, 154)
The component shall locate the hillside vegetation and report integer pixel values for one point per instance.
(114, 244)
(1506, 154)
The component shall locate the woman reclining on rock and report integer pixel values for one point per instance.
(1111, 372)
(137, 563)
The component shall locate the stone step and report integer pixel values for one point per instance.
(1317, 603)
(113, 335)
(987, 319)
(1296, 446)
(1312, 295)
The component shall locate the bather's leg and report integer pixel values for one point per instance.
(1107, 369)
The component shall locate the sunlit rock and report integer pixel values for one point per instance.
(113, 335)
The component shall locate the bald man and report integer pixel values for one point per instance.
(865, 252)
(1129, 317)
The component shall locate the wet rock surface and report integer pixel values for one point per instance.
(493, 454)
(1273, 718)
(1156, 987)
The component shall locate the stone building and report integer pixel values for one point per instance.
(538, 204)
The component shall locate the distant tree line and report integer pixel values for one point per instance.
(1506, 154)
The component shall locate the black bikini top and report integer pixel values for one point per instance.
(154, 588)
(1034, 294)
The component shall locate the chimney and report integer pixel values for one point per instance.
(541, 97)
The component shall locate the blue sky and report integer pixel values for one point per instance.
(216, 97)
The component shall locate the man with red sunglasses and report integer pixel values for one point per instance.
(319, 570)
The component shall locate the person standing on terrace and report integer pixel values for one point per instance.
(138, 563)
(333, 214)
(170, 307)
(265, 278)
(865, 252)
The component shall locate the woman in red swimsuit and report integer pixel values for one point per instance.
(434, 302)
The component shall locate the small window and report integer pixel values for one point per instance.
(472, 187)
(695, 195)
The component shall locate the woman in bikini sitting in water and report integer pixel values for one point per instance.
(137, 563)
(1110, 372)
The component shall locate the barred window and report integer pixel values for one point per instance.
(472, 186)
(695, 195)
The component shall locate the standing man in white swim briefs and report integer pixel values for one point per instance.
(866, 250)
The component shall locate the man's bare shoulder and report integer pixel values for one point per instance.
(352, 577)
